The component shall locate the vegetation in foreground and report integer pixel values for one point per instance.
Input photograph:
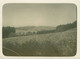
(51, 44)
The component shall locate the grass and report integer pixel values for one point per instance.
(51, 44)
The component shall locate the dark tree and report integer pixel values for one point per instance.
(65, 27)
(7, 30)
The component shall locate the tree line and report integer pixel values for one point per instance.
(8, 31)
(65, 27)
(11, 31)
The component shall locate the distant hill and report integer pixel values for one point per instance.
(45, 29)
(30, 30)
(33, 28)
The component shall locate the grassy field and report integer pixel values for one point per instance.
(51, 44)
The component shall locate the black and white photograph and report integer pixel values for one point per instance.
(39, 29)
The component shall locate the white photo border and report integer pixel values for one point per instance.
(76, 2)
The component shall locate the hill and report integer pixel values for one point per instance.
(51, 44)
(33, 29)
(29, 30)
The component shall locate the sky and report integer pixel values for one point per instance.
(38, 14)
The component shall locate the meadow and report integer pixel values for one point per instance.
(50, 44)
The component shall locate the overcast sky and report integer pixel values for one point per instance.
(38, 14)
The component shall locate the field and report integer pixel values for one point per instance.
(50, 44)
